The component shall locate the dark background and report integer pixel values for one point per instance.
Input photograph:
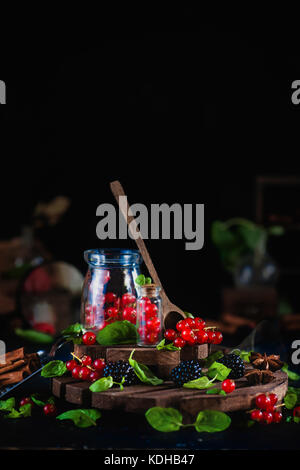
(191, 115)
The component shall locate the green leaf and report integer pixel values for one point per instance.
(24, 412)
(252, 235)
(167, 347)
(245, 355)
(216, 391)
(219, 370)
(290, 400)
(291, 375)
(7, 405)
(289, 419)
(148, 280)
(83, 418)
(54, 369)
(276, 230)
(143, 372)
(35, 397)
(140, 280)
(212, 358)
(164, 419)
(201, 383)
(102, 384)
(119, 332)
(75, 329)
(34, 336)
(212, 421)
(296, 419)
(189, 315)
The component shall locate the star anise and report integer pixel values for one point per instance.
(264, 362)
(257, 377)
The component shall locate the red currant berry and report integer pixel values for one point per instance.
(71, 364)
(75, 372)
(129, 314)
(151, 309)
(273, 398)
(25, 401)
(187, 334)
(153, 324)
(190, 322)
(128, 298)
(89, 338)
(277, 417)
(228, 385)
(256, 415)
(99, 364)
(110, 297)
(199, 323)
(202, 337)
(170, 335)
(267, 417)
(84, 373)
(111, 312)
(94, 375)
(218, 337)
(151, 338)
(86, 360)
(180, 325)
(179, 342)
(296, 412)
(211, 336)
(50, 409)
(262, 401)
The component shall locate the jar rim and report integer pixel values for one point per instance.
(103, 257)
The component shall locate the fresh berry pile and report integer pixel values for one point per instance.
(85, 368)
(235, 363)
(115, 308)
(149, 327)
(121, 370)
(192, 331)
(266, 410)
(185, 371)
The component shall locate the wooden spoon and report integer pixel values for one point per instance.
(171, 313)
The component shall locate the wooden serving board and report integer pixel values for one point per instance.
(162, 362)
(189, 402)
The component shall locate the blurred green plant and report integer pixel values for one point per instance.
(238, 237)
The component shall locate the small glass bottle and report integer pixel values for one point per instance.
(149, 315)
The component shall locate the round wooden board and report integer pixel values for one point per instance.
(139, 398)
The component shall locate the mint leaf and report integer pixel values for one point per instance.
(201, 383)
(34, 336)
(148, 280)
(143, 372)
(291, 375)
(290, 400)
(7, 405)
(54, 369)
(218, 370)
(119, 332)
(168, 347)
(296, 419)
(140, 280)
(245, 355)
(212, 421)
(83, 418)
(216, 391)
(189, 315)
(164, 419)
(102, 384)
(74, 333)
(36, 399)
(212, 358)
(24, 412)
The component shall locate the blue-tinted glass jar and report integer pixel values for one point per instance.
(109, 291)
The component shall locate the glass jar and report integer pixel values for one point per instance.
(109, 292)
(149, 315)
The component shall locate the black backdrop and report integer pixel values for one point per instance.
(190, 115)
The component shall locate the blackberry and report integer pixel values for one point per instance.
(121, 369)
(235, 363)
(185, 371)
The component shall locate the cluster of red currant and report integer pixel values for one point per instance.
(149, 327)
(193, 331)
(49, 409)
(115, 308)
(85, 368)
(266, 409)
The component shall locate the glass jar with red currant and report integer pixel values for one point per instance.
(149, 315)
(109, 292)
